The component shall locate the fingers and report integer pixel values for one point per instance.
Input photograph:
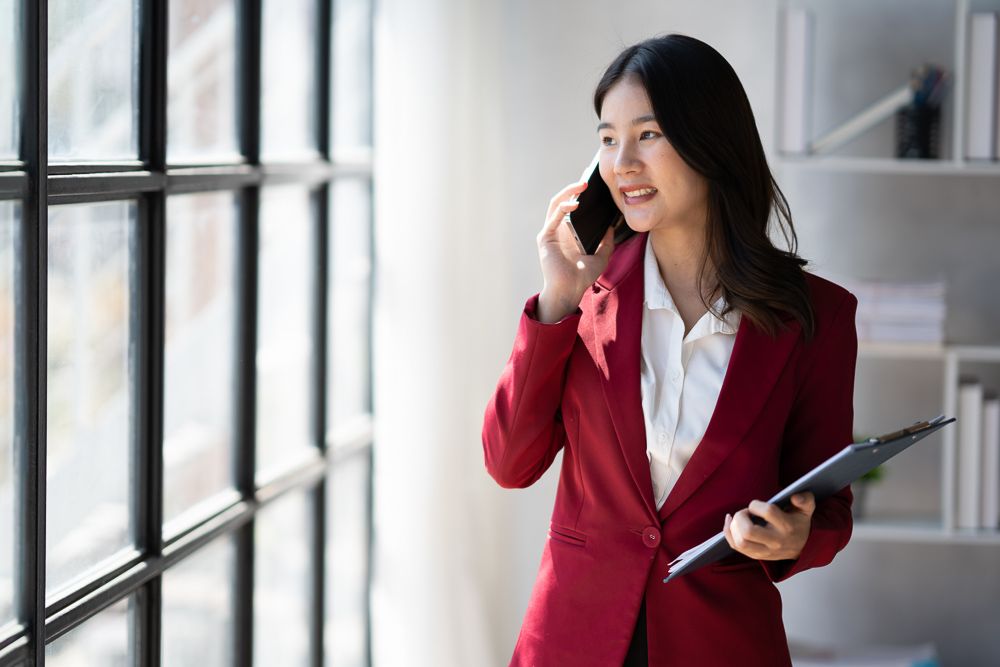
(805, 503)
(750, 539)
(770, 513)
(558, 217)
(737, 540)
(571, 190)
(784, 535)
(561, 204)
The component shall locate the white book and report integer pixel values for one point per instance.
(795, 63)
(981, 112)
(970, 431)
(991, 462)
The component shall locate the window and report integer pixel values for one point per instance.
(185, 297)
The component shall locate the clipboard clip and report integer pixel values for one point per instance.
(918, 427)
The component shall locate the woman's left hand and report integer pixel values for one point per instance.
(782, 538)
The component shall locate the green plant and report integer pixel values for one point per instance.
(876, 474)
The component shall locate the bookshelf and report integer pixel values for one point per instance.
(952, 359)
(948, 25)
(860, 50)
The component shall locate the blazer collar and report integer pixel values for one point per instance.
(626, 258)
(756, 363)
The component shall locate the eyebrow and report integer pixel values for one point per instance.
(635, 121)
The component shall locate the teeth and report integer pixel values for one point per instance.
(640, 193)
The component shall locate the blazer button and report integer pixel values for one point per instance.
(651, 536)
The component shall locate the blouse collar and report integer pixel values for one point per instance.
(658, 296)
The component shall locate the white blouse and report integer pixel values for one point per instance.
(680, 375)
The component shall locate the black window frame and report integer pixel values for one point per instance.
(149, 180)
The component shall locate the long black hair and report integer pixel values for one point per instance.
(703, 111)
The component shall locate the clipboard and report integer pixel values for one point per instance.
(823, 481)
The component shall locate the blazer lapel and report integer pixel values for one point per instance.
(756, 364)
(617, 325)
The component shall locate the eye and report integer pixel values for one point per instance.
(648, 134)
(607, 141)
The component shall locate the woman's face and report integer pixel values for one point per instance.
(649, 181)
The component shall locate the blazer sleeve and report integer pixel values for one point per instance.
(820, 424)
(523, 429)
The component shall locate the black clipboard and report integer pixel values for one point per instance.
(823, 481)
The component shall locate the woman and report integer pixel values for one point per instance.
(686, 368)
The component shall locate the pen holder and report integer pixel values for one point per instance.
(917, 131)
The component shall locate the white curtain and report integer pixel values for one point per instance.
(440, 337)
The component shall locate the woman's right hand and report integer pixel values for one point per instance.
(566, 271)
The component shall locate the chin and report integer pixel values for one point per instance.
(639, 225)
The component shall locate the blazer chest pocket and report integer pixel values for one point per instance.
(567, 535)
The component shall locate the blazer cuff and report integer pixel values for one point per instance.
(818, 551)
(531, 314)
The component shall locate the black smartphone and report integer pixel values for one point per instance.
(597, 210)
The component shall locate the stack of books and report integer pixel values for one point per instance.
(900, 312)
(982, 116)
(978, 484)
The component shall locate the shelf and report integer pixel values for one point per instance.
(867, 349)
(900, 350)
(890, 166)
(921, 532)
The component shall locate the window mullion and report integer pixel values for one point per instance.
(147, 481)
(249, 77)
(319, 381)
(31, 333)
(245, 438)
(324, 28)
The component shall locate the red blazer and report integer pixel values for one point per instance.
(785, 405)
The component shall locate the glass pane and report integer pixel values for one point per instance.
(201, 105)
(102, 640)
(93, 51)
(89, 373)
(348, 371)
(284, 334)
(352, 73)
(10, 63)
(347, 563)
(200, 356)
(198, 608)
(9, 220)
(288, 78)
(283, 589)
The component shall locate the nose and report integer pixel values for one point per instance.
(626, 161)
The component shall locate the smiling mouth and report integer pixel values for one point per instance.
(639, 195)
